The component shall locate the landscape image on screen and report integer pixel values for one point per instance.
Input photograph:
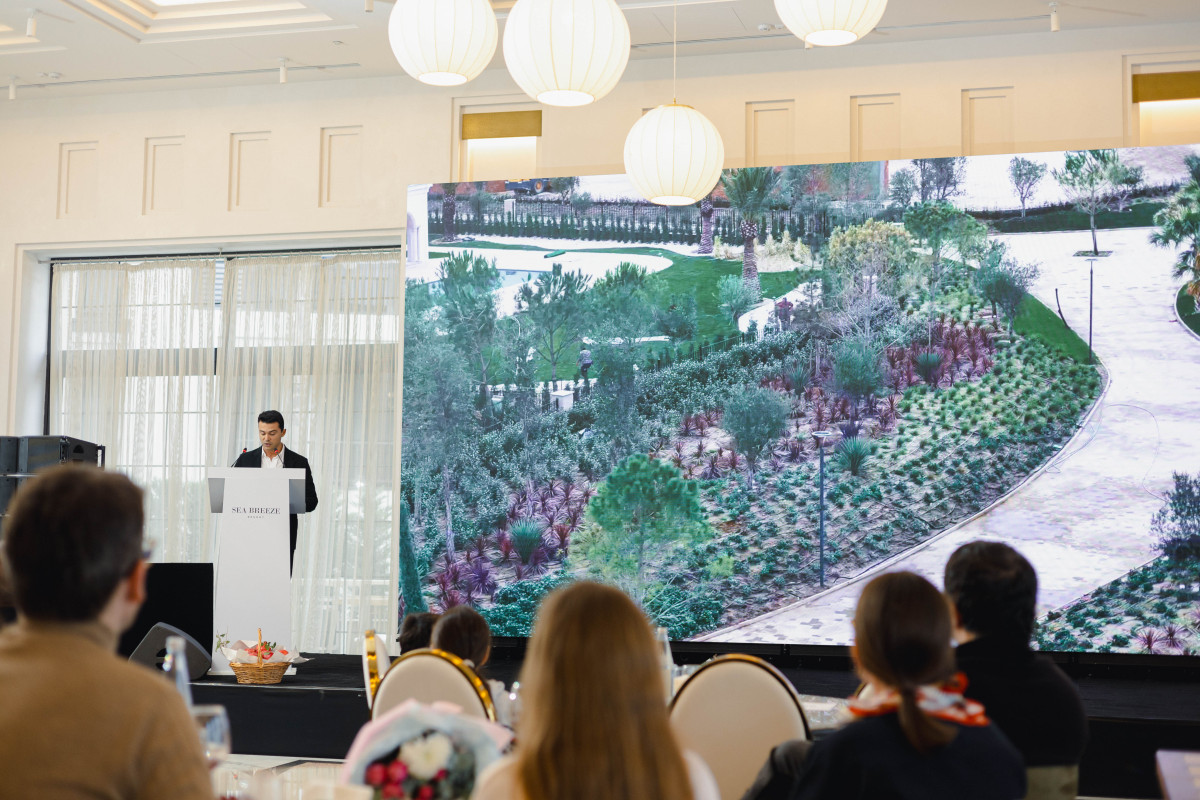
(992, 347)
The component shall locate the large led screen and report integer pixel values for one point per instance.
(739, 410)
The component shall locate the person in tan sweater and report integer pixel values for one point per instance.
(77, 721)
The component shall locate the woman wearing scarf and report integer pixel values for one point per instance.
(913, 735)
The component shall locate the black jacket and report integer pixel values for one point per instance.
(1028, 697)
(870, 759)
(291, 460)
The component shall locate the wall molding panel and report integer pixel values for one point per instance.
(770, 132)
(250, 171)
(875, 127)
(341, 184)
(987, 121)
(78, 179)
(163, 173)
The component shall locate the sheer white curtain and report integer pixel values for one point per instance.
(131, 367)
(318, 339)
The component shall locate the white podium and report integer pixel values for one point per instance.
(253, 552)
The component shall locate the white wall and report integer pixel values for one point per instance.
(315, 163)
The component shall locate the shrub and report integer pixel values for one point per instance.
(517, 604)
(852, 454)
(527, 537)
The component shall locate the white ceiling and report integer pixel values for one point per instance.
(100, 46)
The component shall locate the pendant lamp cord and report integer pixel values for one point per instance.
(674, 51)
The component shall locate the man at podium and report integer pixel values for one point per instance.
(273, 455)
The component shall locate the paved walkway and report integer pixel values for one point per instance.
(1085, 520)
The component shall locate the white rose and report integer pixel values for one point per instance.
(425, 757)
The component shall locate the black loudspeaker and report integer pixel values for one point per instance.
(180, 595)
(8, 487)
(10, 447)
(153, 648)
(39, 452)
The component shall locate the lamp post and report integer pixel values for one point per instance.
(1091, 290)
(821, 436)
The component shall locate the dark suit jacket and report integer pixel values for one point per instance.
(1028, 697)
(291, 460)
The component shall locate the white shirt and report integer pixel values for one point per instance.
(272, 463)
(499, 781)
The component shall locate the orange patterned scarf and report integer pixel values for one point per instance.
(944, 701)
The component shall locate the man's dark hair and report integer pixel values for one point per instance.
(73, 534)
(994, 589)
(272, 417)
(465, 633)
(416, 630)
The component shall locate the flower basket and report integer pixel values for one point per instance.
(260, 674)
(260, 663)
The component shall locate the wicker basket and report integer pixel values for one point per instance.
(260, 674)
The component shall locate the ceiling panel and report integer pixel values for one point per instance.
(121, 45)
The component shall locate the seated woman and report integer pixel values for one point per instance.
(594, 724)
(914, 737)
(416, 630)
(463, 632)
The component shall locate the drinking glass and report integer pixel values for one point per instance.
(212, 724)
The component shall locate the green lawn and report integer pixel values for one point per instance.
(1035, 319)
(1186, 307)
(1139, 215)
(695, 274)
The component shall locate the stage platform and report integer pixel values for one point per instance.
(317, 712)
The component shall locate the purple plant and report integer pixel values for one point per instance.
(1173, 636)
(1149, 639)
(480, 577)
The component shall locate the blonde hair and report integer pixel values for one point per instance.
(594, 725)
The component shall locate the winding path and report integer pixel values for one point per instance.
(1085, 519)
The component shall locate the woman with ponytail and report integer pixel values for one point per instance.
(914, 736)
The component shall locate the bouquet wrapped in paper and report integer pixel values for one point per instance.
(420, 751)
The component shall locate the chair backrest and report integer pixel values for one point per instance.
(1052, 783)
(375, 663)
(429, 676)
(731, 712)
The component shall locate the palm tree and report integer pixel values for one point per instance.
(749, 191)
(706, 225)
(1179, 226)
(448, 210)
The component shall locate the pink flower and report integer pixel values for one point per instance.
(376, 774)
(441, 775)
(397, 771)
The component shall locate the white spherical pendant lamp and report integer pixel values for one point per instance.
(443, 42)
(674, 155)
(566, 52)
(828, 23)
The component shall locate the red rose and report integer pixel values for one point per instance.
(376, 774)
(397, 771)
(393, 790)
(425, 792)
(441, 775)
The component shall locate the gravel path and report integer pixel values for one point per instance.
(1084, 520)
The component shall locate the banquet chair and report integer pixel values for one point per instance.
(731, 712)
(1052, 783)
(375, 663)
(429, 676)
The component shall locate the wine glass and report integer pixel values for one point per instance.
(212, 725)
